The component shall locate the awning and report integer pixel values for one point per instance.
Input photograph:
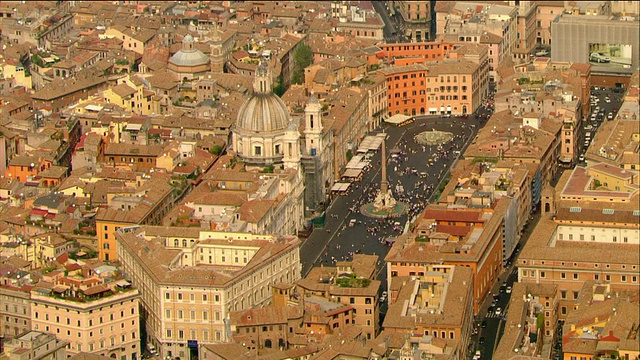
(370, 143)
(353, 163)
(352, 173)
(397, 119)
(340, 187)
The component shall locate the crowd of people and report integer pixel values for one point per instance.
(410, 186)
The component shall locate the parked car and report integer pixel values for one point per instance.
(498, 311)
(508, 289)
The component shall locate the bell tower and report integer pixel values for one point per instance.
(313, 126)
(291, 156)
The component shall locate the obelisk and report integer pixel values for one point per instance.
(384, 184)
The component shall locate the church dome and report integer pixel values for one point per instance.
(264, 111)
(188, 56)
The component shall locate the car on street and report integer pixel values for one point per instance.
(482, 340)
(498, 311)
(508, 290)
(483, 324)
(581, 158)
(383, 297)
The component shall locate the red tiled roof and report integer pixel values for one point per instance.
(38, 212)
(454, 230)
(452, 215)
(72, 267)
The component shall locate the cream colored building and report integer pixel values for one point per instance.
(587, 234)
(15, 313)
(35, 345)
(191, 279)
(99, 319)
(454, 87)
(47, 247)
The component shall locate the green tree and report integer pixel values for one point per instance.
(302, 57)
(279, 89)
(216, 149)
(349, 155)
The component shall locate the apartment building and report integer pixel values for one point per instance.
(416, 18)
(418, 52)
(546, 13)
(549, 91)
(434, 309)
(131, 95)
(454, 87)
(35, 345)
(406, 89)
(526, 30)
(482, 184)
(588, 233)
(527, 139)
(268, 328)
(494, 25)
(469, 237)
(348, 118)
(15, 311)
(376, 87)
(90, 315)
(602, 324)
(190, 280)
(146, 204)
(135, 39)
(528, 303)
(350, 283)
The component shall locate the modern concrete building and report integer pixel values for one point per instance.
(609, 44)
(190, 280)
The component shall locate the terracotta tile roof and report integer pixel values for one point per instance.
(452, 215)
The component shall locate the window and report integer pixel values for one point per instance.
(575, 276)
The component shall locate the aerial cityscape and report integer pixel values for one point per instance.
(328, 180)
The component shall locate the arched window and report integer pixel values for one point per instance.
(184, 242)
(176, 242)
(267, 344)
